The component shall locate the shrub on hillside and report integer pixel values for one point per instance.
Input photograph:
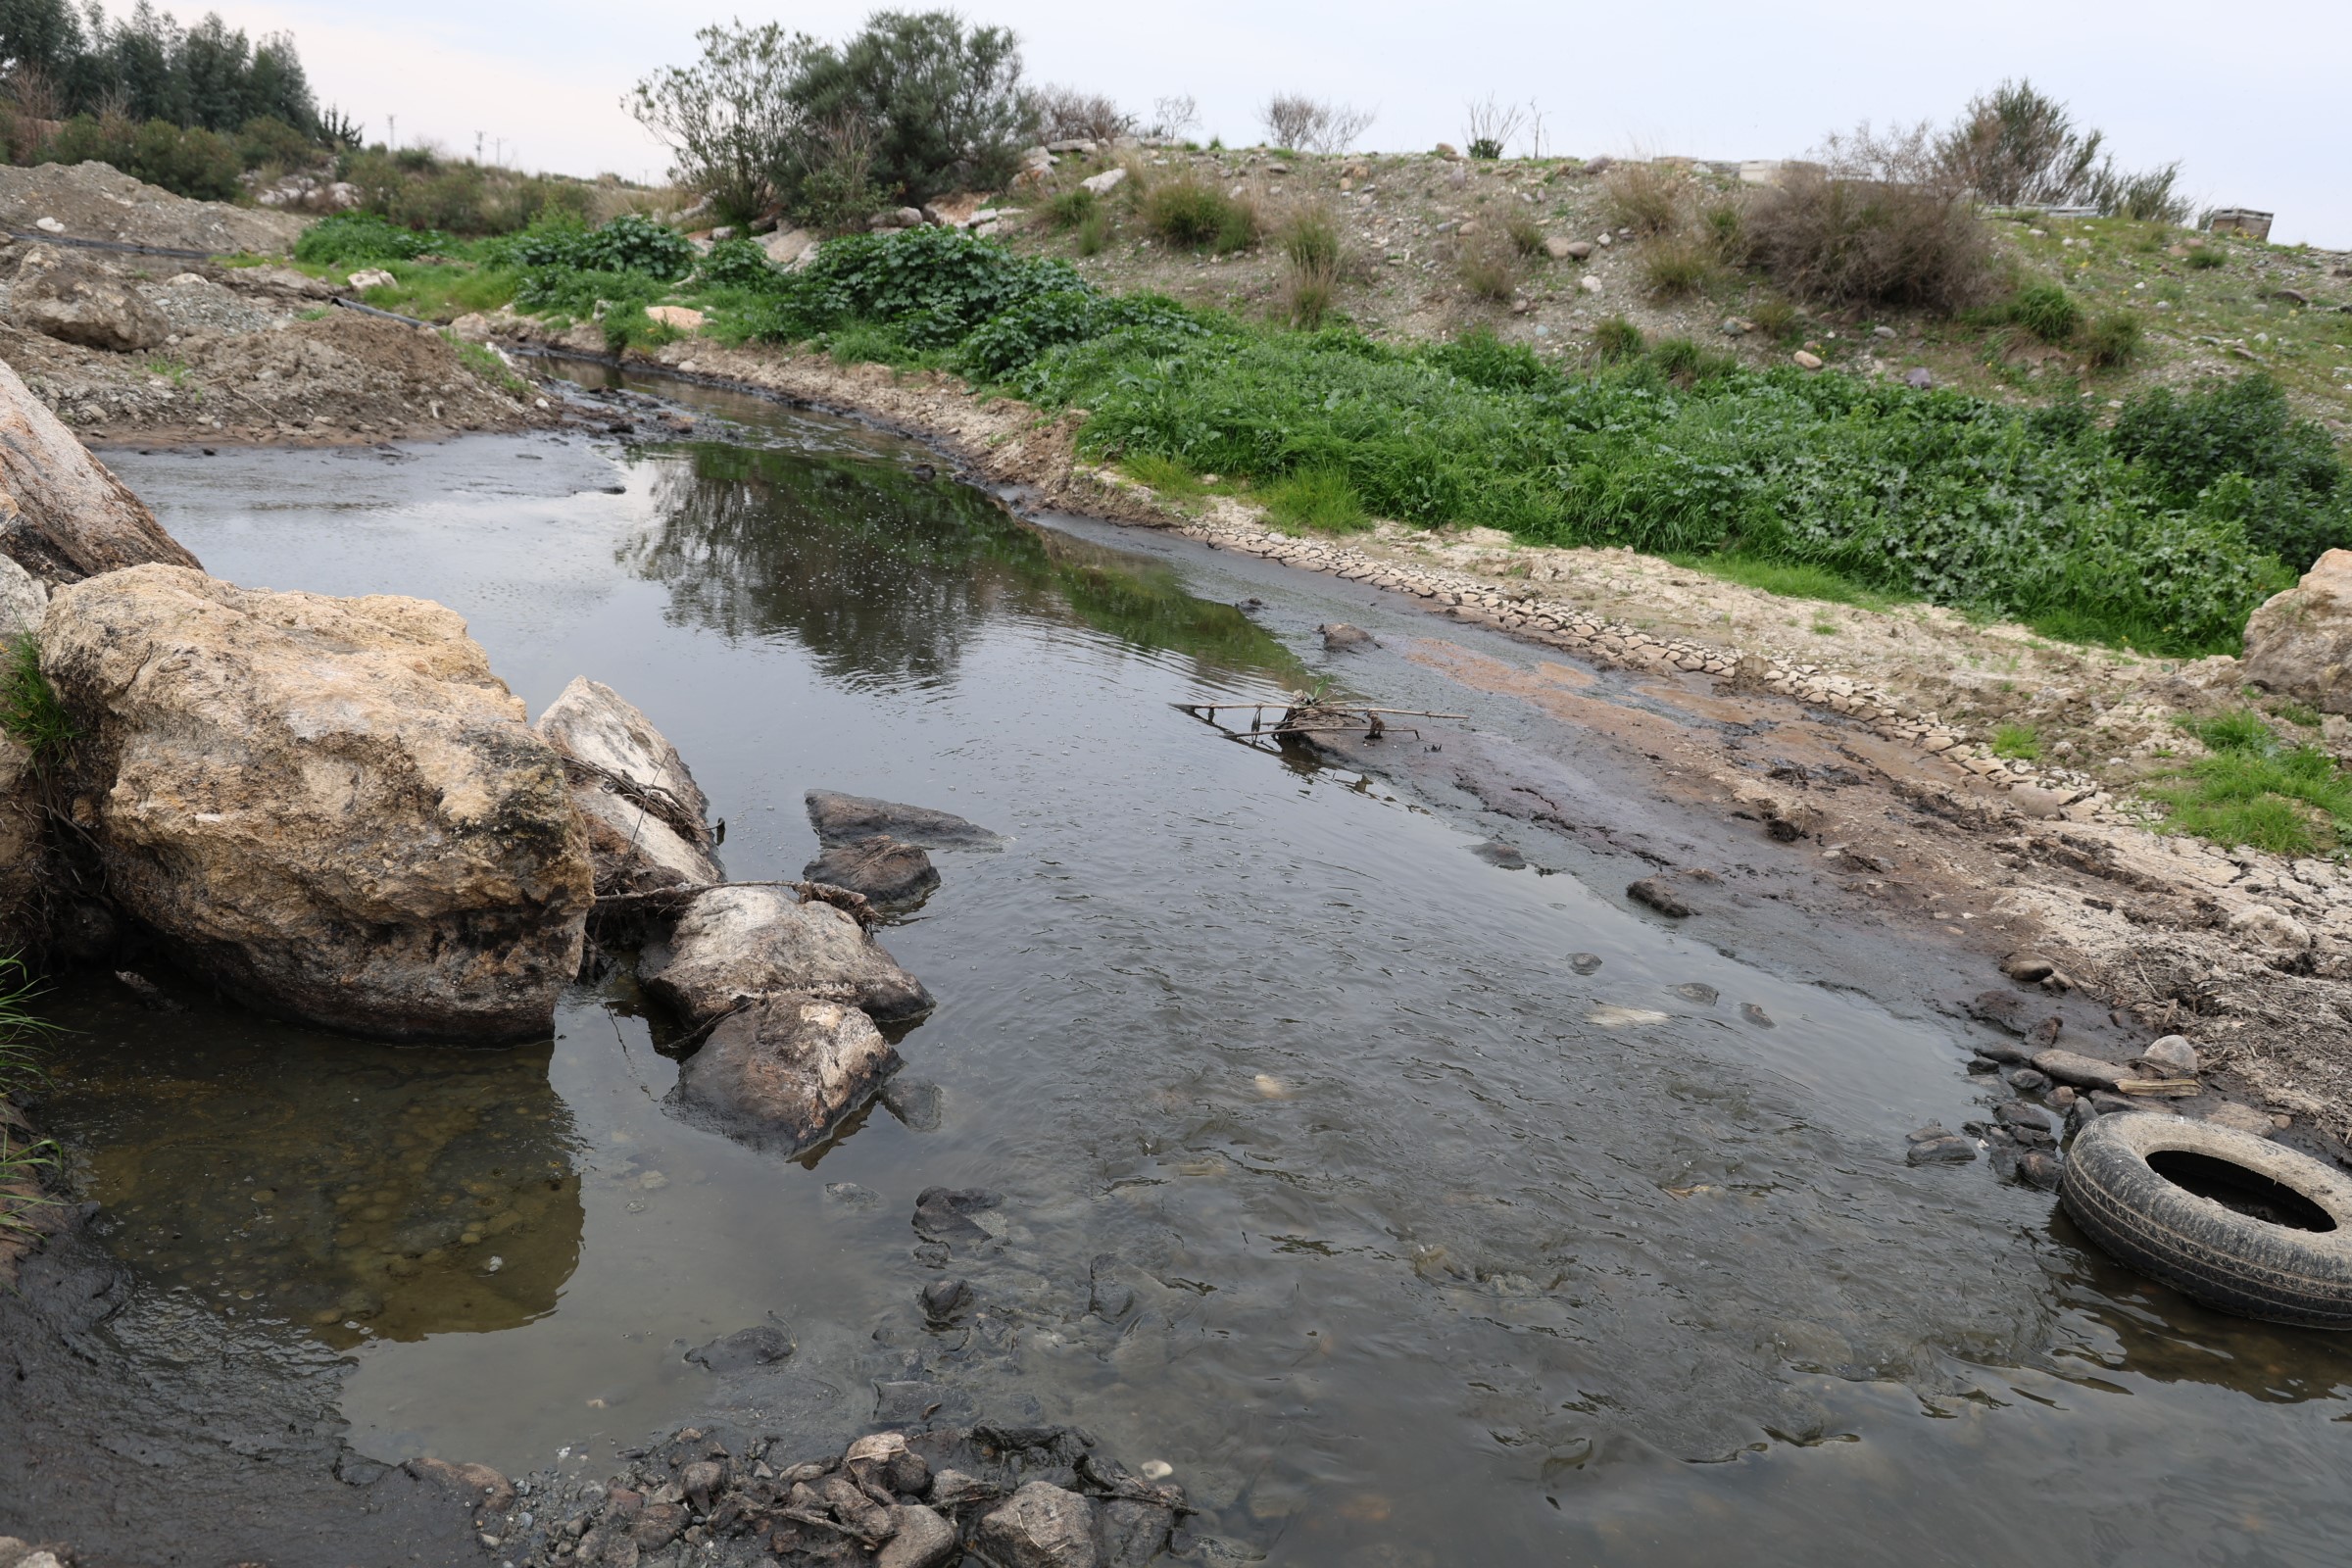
(196, 164)
(2047, 310)
(943, 102)
(1191, 213)
(356, 239)
(1066, 114)
(1645, 198)
(1878, 223)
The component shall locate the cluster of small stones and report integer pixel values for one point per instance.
(1017, 1497)
(1529, 615)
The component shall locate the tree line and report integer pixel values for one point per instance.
(60, 61)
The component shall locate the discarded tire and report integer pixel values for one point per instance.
(2232, 1219)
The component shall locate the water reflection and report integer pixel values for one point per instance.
(358, 1189)
(887, 576)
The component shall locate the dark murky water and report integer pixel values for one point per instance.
(1433, 1257)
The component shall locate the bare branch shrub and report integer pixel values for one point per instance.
(1312, 125)
(1489, 125)
(1883, 218)
(1065, 114)
(1172, 117)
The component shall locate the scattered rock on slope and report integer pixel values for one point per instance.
(648, 820)
(329, 806)
(69, 299)
(63, 517)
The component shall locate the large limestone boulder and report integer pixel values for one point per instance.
(733, 943)
(74, 301)
(329, 806)
(782, 1073)
(649, 825)
(2299, 643)
(63, 517)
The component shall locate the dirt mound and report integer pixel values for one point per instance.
(347, 370)
(97, 201)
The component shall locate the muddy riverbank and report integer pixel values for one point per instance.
(1324, 1098)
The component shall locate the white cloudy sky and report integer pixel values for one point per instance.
(2252, 102)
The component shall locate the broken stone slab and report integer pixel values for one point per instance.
(846, 819)
(63, 515)
(880, 867)
(1041, 1526)
(2084, 1072)
(329, 807)
(735, 942)
(648, 820)
(781, 1074)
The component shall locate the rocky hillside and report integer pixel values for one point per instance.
(1412, 225)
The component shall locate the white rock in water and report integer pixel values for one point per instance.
(737, 942)
(660, 836)
(1624, 1018)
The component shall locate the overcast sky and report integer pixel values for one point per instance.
(2253, 103)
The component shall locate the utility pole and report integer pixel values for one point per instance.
(477, 148)
(392, 130)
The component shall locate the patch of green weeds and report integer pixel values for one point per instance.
(1165, 475)
(1317, 501)
(30, 708)
(2292, 800)
(1789, 580)
(2019, 742)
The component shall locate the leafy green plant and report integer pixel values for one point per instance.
(2235, 450)
(2241, 731)
(352, 239)
(737, 263)
(30, 708)
(1316, 500)
(1683, 362)
(2021, 741)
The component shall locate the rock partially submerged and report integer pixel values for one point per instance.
(735, 942)
(783, 1072)
(846, 819)
(63, 517)
(648, 821)
(880, 867)
(330, 808)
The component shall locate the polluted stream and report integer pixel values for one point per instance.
(1327, 1178)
